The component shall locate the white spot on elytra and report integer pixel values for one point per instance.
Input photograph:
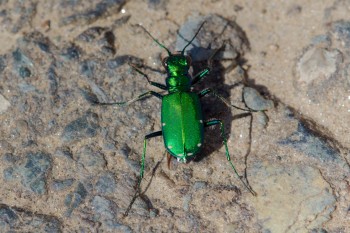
(200, 121)
(199, 144)
(163, 124)
(170, 147)
(190, 154)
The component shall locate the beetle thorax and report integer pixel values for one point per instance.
(178, 83)
(177, 67)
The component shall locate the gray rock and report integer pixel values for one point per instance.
(83, 127)
(255, 101)
(17, 219)
(216, 33)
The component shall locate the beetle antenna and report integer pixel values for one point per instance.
(155, 40)
(183, 51)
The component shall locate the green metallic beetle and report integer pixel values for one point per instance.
(181, 113)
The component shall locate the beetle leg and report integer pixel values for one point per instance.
(159, 85)
(148, 136)
(228, 157)
(142, 96)
(198, 77)
(225, 101)
(142, 169)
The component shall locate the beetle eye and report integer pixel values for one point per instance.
(188, 60)
(165, 62)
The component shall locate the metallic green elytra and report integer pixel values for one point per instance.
(182, 124)
(181, 115)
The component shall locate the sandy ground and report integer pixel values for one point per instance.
(68, 165)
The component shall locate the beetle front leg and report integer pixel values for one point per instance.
(228, 157)
(142, 169)
(159, 85)
(201, 75)
(198, 77)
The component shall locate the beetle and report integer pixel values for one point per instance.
(182, 120)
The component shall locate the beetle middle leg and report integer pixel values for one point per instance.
(228, 157)
(140, 97)
(208, 91)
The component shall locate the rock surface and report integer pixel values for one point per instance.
(69, 165)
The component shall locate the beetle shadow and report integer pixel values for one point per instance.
(214, 108)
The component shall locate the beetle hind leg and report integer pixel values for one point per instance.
(142, 169)
(228, 157)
